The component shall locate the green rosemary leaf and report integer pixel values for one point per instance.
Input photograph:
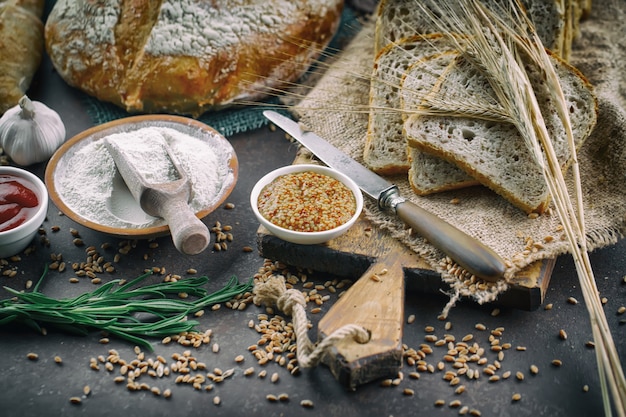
(101, 291)
(32, 324)
(43, 275)
(32, 297)
(117, 308)
(131, 338)
(133, 283)
(165, 327)
(8, 319)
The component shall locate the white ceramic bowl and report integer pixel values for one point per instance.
(306, 238)
(15, 240)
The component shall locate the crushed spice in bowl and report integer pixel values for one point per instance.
(306, 204)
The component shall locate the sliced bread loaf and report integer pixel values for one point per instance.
(428, 173)
(494, 152)
(385, 146)
(398, 19)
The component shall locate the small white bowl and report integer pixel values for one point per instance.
(306, 238)
(15, 240)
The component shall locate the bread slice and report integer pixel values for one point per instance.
(397, 19)
(421, 77)
(428, 173)
(385, 146)
(494, 152)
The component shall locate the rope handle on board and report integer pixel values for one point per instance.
(292, 302)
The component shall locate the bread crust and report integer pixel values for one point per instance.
(21, 48)
(188, 56)
(385, 146)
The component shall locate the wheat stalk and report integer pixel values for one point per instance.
(497, 44)
(444, 102)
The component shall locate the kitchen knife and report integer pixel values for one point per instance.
(468, 252)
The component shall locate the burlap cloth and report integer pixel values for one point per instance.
(336, 109)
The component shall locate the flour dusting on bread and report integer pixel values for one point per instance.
(186, 56)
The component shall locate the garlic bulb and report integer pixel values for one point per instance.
(30, 132)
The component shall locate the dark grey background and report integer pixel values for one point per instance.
(43, 388)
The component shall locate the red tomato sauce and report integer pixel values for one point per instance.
(18, 201)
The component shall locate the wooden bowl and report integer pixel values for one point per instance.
(123, 216)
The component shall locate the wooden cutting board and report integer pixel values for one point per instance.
(382, 269)
(353, 253)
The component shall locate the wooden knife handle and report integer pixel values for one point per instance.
(468, 252)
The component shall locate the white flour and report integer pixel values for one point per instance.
(91, 186)
(154, 166)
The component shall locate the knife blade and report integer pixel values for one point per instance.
(471, 254)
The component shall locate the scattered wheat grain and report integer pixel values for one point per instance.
(455, 404)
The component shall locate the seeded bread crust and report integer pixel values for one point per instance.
(494, 152)
(186, 56)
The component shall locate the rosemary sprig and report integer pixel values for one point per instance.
(116, 307)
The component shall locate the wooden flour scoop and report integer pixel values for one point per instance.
(376, 302)
(161, 188)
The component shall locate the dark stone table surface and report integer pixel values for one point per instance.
(44, 387)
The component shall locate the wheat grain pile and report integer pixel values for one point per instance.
(600, 54)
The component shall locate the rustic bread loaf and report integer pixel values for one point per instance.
(21, 48)
(397, 19)
(385, 150)
(494, 152)
(186, 56)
